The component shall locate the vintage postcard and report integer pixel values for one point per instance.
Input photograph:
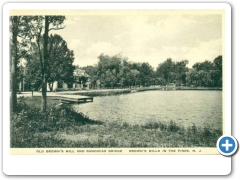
(116, 81)
(109, 81)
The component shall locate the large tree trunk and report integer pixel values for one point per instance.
(44, 93)
(45, 59)
(14, 59)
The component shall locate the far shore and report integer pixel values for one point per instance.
(106, 92)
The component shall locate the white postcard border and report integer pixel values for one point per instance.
(108, 164)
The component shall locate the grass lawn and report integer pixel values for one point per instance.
(35, 101)
(61, 126)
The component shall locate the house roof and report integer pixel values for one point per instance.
(80, 73)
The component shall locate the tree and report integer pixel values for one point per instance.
(90, 70)
(205, 66)
(206, 73)
(108, 69)
(47, 23)
(165, 69)
(134, 77)
(33, 73)
(15, 20)
(32, 27)
(125, 74)
(18, 30)
(146, 73)
(192, 77)
(170, 71)
(218, 66)
(180, 70)
(108, 79)
(59, 66)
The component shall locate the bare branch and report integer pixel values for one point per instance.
(24, 37)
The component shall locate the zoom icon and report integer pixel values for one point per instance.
(227, 145)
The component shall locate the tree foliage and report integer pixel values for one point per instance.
(207, 73)
(19, 32)
(24, 30)
(172, 72)
(116, 71)
(58, 67)
(46, 24)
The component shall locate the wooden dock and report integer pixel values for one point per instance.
(75, 99)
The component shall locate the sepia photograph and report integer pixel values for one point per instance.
(117, 79)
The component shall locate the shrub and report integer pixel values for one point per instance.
(27, 122)
(173, 127)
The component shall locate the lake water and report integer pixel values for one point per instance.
(184, 107)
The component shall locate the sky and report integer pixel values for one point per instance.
(144, 36)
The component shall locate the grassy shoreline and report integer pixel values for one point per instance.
(61, 126)
(97, 92)
(108, 92)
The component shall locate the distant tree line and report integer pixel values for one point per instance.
(117, 72)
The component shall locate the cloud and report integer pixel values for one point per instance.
(103, 47)
(144, 37)
(88, 55)
(70, 20)
(207, 50)
(74, 43)
(195, 38)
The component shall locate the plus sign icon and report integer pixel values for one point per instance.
(227, 145)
